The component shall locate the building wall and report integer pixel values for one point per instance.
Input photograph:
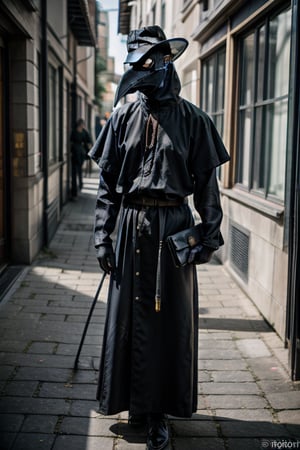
(27, 203)
(254, 225)
(27, 183)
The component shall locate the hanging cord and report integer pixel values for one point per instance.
(162, 221)
(151, 136)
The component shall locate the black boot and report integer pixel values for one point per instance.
(158, 434)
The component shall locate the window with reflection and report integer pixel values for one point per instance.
(53, 115)
(264, 56)
(212, 88)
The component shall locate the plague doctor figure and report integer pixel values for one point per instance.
(153, 153)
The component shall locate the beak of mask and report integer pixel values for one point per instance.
(145, 76)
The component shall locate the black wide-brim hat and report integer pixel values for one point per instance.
(141, 42)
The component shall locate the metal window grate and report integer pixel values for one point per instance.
(239, 251)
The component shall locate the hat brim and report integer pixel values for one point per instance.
(177, 47)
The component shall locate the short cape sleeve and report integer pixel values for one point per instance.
(208, 150)
(104, 152)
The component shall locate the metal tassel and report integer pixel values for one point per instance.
(157, 304)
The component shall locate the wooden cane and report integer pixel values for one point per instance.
(88, 320)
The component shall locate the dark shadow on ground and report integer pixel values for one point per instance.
(45, 404)
(217, 432)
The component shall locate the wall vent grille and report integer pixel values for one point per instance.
(239, 250)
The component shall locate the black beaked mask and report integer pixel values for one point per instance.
(147, 75)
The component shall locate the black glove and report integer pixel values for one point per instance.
(106, 257)
(200, 254)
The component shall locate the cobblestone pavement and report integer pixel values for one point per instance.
(246, 400)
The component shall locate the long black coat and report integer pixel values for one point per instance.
(149, 359)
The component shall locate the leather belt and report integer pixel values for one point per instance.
(150, 201)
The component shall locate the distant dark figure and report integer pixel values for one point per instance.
(100, 123)
(81, 142)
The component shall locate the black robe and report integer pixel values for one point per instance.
(149, 359)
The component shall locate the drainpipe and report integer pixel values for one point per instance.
(44, 117)
(293, 292)
(74, 86)
(73, 111)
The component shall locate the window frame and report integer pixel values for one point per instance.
(55, 106)
(256, 104)
(215, 112)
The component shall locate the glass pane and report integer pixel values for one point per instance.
(163, 15)
(53, 115)
(210, 90)
(220, 81)
(279, 54)
(247, 70)
(193, 86)
(278, 137)
(261, 63)
(245, 145)
(259, 151)
(203, 87)
(218, 120)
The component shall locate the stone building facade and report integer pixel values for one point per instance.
(47, 57)
(241, 68)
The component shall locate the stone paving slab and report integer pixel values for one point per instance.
(249, 415)
(89, 426)
(11, 422)
(219, 354)
(235, 401)
(124, 445)
(232, 376)
(71, 349)
(286, 400)
(244, 444)
(246, 399)
(253, 348)
(193, 428)
(225, 364)
(83, 442)
(198, 444)
(34, 406)
(7, 440)
(84, 408)
(229, 388)
(292, 417)
(40, 424)
(267, 368)
(33, 441)
(21, 388)
(43, 374)
(68, 390)
(34, 360)
(277, 386)
(252, 430)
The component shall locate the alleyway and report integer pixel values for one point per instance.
(246, 400)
